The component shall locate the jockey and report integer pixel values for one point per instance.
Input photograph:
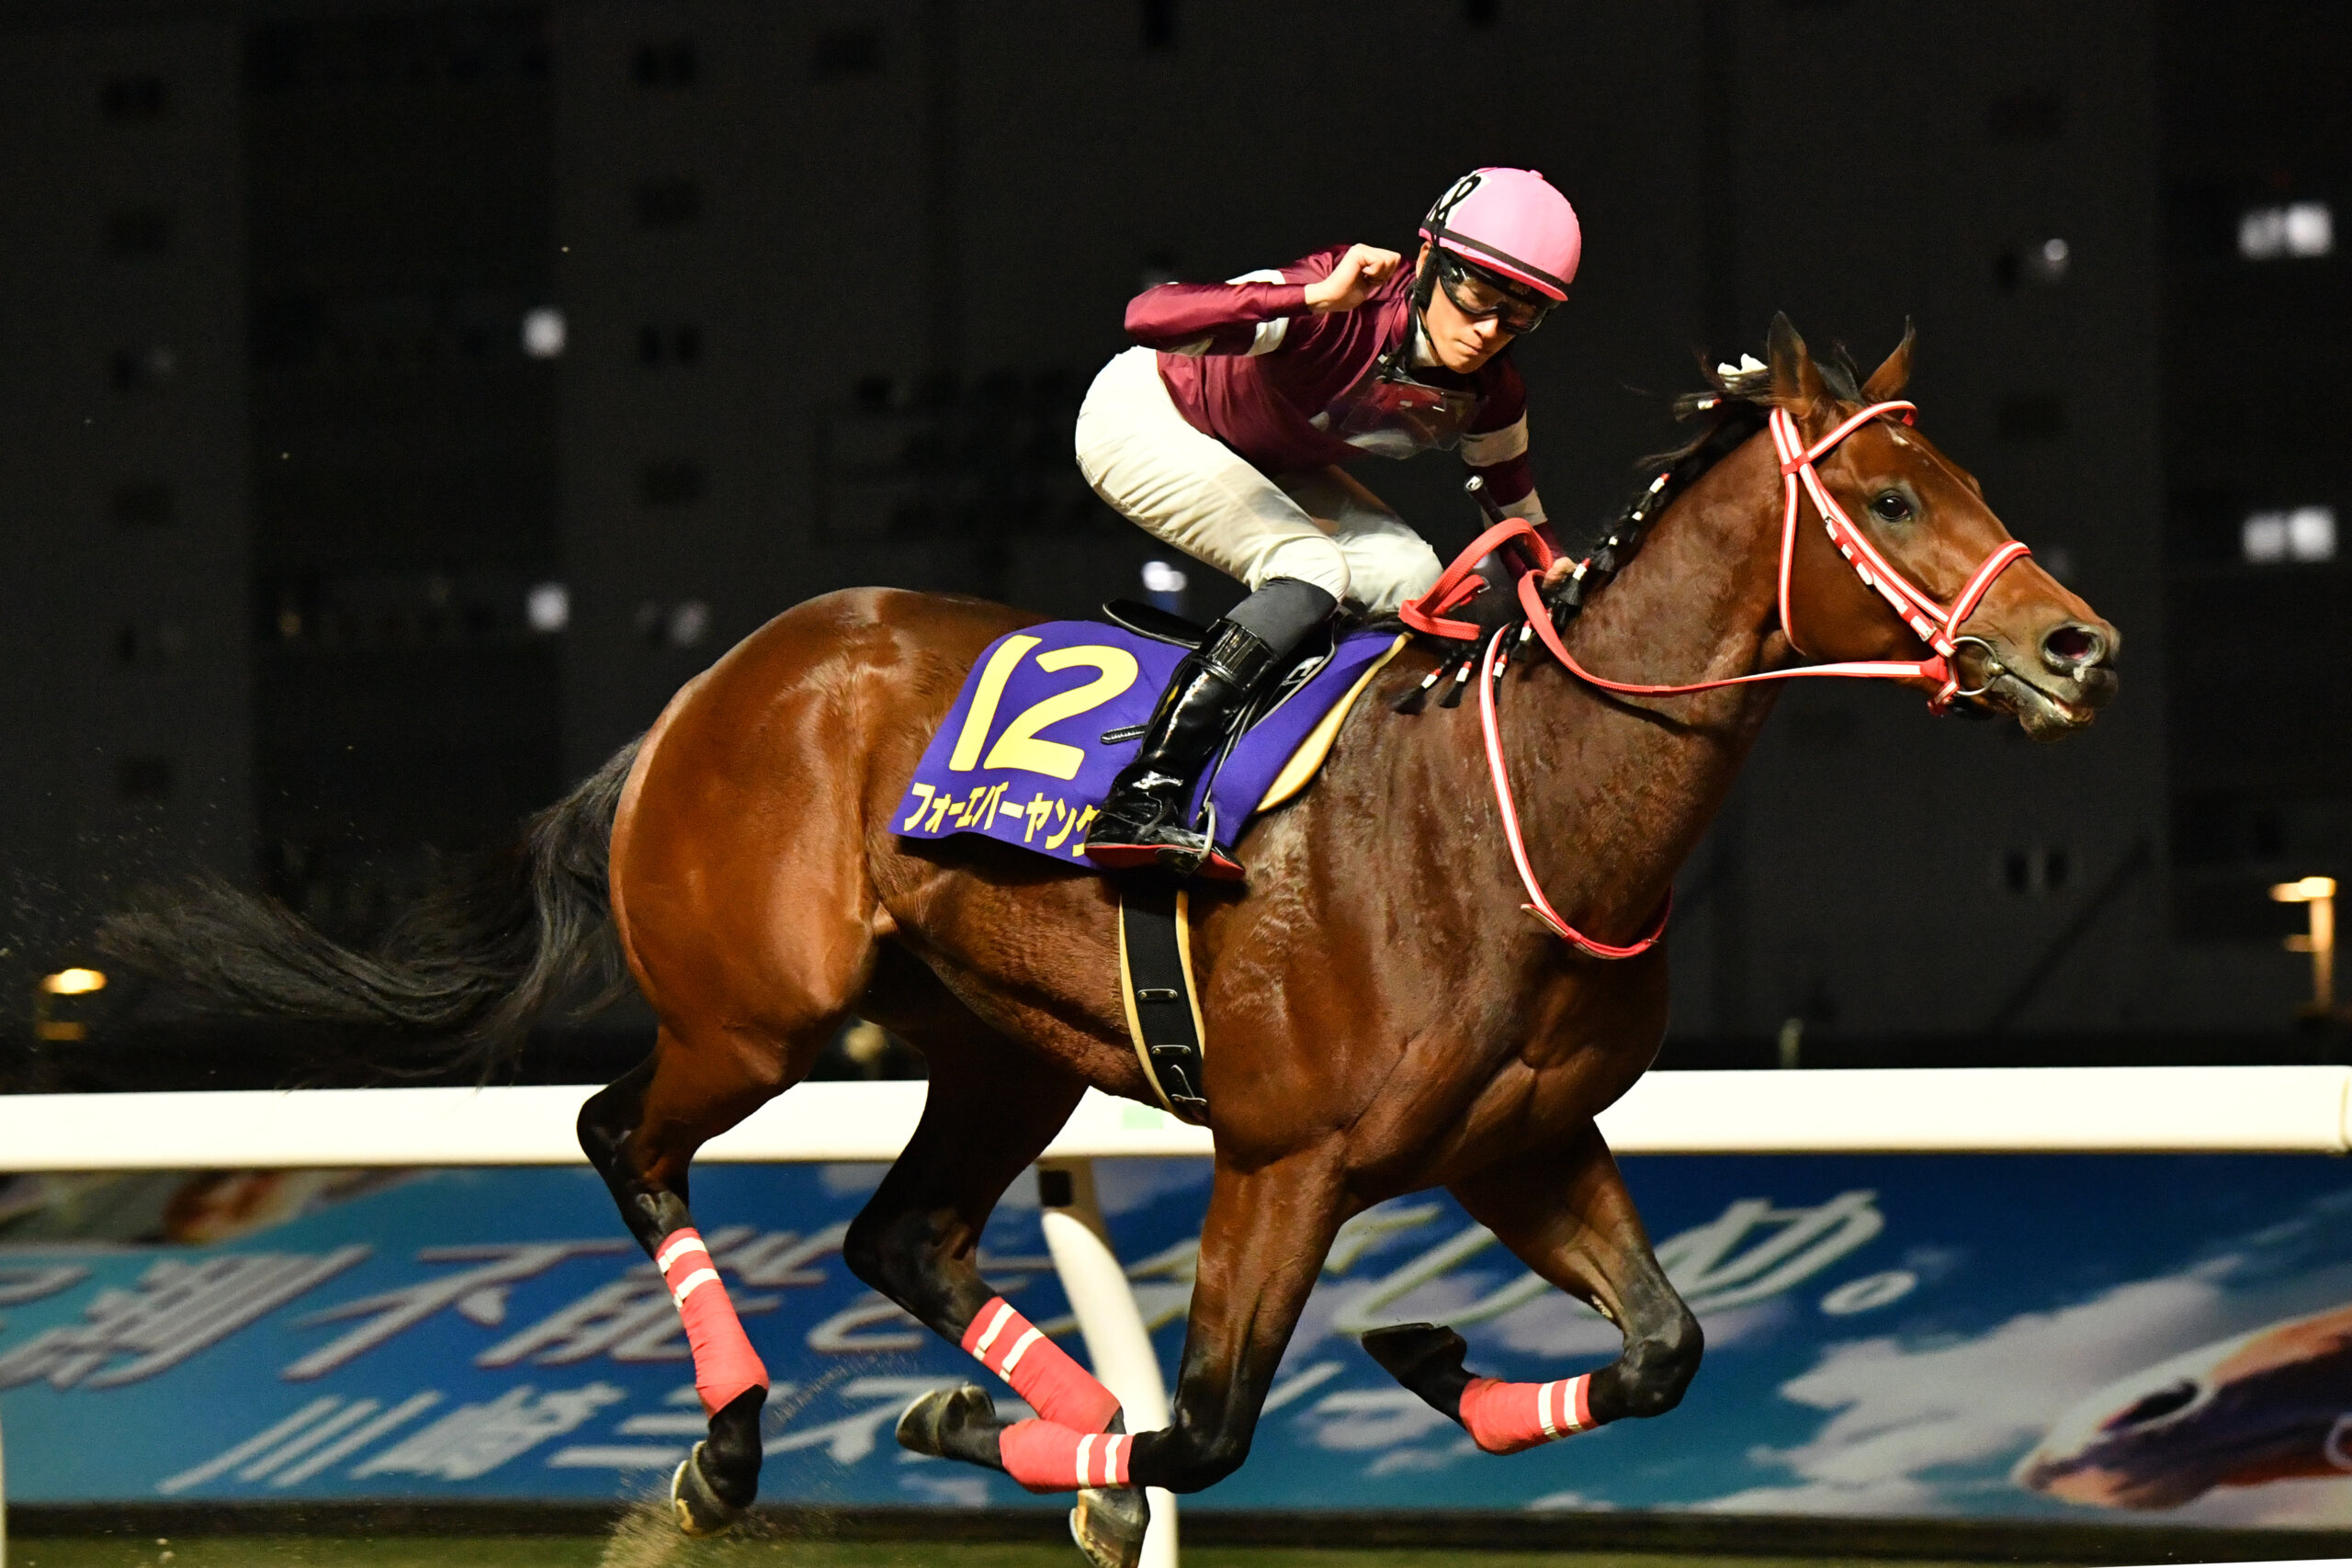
(1223, 433)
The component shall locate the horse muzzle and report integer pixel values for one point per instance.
(2052, 691)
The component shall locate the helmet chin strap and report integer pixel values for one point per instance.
(1424, 280)
(1397, 364)
(1421, 345)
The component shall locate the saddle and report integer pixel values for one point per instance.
(1047, 716)
(1151, 621)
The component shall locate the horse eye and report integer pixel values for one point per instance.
(1889, 506)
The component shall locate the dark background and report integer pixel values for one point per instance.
(281, 476)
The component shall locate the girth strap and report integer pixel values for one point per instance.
(1163, 1005)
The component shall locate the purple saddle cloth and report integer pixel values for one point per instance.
(1020, 757)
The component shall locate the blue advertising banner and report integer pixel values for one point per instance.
(2091, 1337)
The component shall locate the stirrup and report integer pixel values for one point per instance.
(1183, 852)
(1196, 856)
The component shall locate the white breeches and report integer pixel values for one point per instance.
(1193, 492)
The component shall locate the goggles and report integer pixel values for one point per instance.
(1479, 294)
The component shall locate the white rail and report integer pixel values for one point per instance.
(1926, 1110)
(1989, 1110)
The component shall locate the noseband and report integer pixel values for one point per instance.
(1935, 624)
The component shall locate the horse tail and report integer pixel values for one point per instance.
(463, 973)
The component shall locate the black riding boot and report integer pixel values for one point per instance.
(1144, 821)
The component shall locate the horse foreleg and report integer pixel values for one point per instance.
(1262, 1246)
(641, 1134)
(1566, 1213)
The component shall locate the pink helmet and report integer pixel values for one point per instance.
(1509, 221)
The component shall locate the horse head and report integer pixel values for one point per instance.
(2273, 1405)
(2029, 646)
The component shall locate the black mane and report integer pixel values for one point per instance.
(1740, 397)
(1737, 403)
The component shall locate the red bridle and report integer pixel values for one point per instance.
(1937, 626)
(1934, 623)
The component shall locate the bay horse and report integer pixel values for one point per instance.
(1382, 1016)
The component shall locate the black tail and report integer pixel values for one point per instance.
(467, 970)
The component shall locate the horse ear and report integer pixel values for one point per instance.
(1797, 379)
(1891, 377)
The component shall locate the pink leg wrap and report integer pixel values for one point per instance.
(1045, 1456)
(725, 1363)
(1039, 1371)
(1505, 1418)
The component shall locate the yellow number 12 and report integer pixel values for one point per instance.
(1019, 747)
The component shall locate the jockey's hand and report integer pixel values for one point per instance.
(1558, 572)
(1349, 284)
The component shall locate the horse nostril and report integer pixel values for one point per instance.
(2072, 648)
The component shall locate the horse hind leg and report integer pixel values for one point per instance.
(1262, 1245)
(1567, 1216)
(917, 1242)
(642, 1133)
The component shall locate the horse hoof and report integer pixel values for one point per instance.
(1409, 1351)
(1109, 1523)
(700, 1510)
(934, 1422)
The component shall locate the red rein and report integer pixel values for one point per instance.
(1935, 624)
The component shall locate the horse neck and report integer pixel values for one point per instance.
(1701, 599)
(1615, 797)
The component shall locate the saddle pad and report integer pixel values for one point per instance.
(1020, 757)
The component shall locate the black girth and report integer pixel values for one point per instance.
(1156, 982)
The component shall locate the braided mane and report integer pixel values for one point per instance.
(1738, 400)
(1738, 404)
